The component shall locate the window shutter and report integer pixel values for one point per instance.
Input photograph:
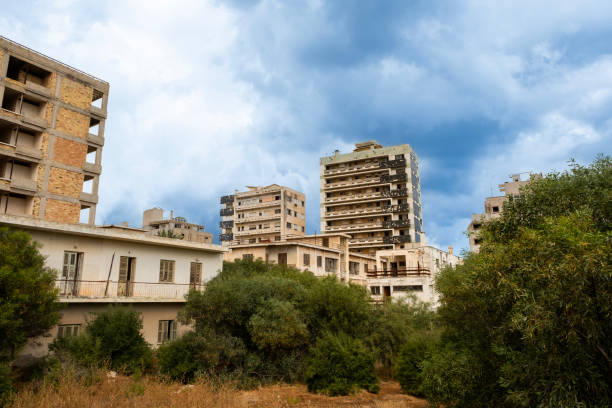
(171, 271)
(173, 329)
(160, 331)
(123, 268)
(161, 273)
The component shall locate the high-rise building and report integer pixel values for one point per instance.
(51, 136)
(374, 195)
(262, 214)
(494, 206)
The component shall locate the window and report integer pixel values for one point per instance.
(354, 268)
(331, 265)
(277, 211)
(282, 258)
(319, 261)
(495, 209)
(247, 257)
(277, 237)
(166, 270)
(71, 273)
(289, 225)
(408, 288)
(306, 259)
(326, 242)
(375, 290)
(195, 275)
(166, 330)
(64, 330)
(303, 229)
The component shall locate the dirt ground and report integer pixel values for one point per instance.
(105, 391)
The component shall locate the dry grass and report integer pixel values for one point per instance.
(148, 392)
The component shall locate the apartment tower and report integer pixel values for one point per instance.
(374, 195)
(51, 137)
(261, 215)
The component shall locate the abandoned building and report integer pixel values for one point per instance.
(374, 195)
(51, 136)
(154, 222)
(262, 215)
(494, 206)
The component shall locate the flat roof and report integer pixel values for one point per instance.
(92, 231)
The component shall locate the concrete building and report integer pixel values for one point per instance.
(98, 266)
(322, 255)
(51, 136)
(494, 206)
(154, 222)
(262, 215)
(374, 195)
(411, 271)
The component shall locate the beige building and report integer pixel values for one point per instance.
(154, 222)
(262, 215)
(494, 206)
(98, 266)
(51, 136)
(322, 255)
(374, 195)
(411, 271)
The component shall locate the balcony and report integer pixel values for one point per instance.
(226, 211)
(226, 237)
(399, 273)
(352, 183)
(393, 178)
(226, 224)
(387, 164)
(366, 241)
(257, 218)
(28, 151)
(357, 211)
(92, 168)
(257, 231)
(227, 199)
(37, 88)
(95, 139)
(259, 205)
(88, 197)
(396, 224)
(352, 169)
(24, 184)
(397, 239)
(354, 197)
(82, 290)
(400, 192)
(353, 227)
(396, 208)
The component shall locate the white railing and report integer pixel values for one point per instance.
(87, 289)
(352, 197)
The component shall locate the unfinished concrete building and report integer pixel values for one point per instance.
(494, 206)
(51, 136)
(374, 195)
(154, 222)
(262, 214)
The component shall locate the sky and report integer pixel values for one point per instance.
(209, 96)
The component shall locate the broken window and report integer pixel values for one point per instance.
(94, 126)
(12, 100)
(96, 99)
(166, 330)
(25, 72)
(7, 133)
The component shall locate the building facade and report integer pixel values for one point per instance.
(262, 215)
(154, 222)
(494, 206)
(409, 272)
(374, 195)
(98, 266)
(51, 137)
(322, 255)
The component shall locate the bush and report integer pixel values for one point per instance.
(409, 364)
(339, 365)
(5, 383)
(113, 338)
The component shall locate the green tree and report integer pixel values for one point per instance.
(28, 306)
(170, 234)
(528, 320)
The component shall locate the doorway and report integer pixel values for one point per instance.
(71, 271)
(127, 272)
(387, 291)
(282, 258)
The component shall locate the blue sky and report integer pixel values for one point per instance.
(210, 96)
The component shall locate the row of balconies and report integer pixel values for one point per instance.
(350, 169)
(364, 241)
(393, 178)
(396, 239)
(259, 205)
(354, 227)
(226, 199)
(400, 192)
(257, 218)
(257, 231)
(396, 208)
(226, 237)
(226, 224)
(387, 164)
(353, 197)
(358, 182)
(68, 289)
(396, 224)
(357, 211)
(226, 211)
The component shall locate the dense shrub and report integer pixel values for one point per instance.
(408, 366)
(340, 365)
(113, 338)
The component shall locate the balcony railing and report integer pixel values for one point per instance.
(392, 178)
(226, 211)
(350, 169)
(352, 227)
(23, 183)
(226, 224)
(257, 231)
(363, 241)
(257, 218)
(396, 239)
(399, 273)
(387, 164)
(88, 289)
(400, 192)
(396, 224)
(227, 199)
(352, 197)
(357, 211)
(258, 204)
(226, 237)
(396, 208)
(358, 182)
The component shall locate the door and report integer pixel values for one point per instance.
(282, 258)
(387, 291)
(70, 272)
(127, 269)
(195, 276)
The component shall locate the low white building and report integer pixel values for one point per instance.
(98, 266)
(401, 273)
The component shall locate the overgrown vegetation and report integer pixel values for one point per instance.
(28, 299)
(527, 322)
